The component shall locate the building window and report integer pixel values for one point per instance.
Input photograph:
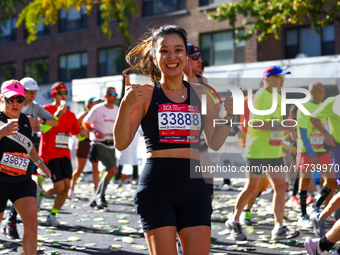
(42, 29)
(210, 2)
(8, 30)
(72, 20)
(222, 48)
(73, 66)
(110, 61)
(7, 72)
(37, 69)
(305, 40)
(157, 7)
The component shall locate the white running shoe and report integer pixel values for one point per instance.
(70, 194)
(305, 222)
(313, 247)
(52, 221)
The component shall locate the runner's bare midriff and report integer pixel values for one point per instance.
(175, 153)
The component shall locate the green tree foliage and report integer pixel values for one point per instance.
(265, 17)
(118, 10)
(7, 8)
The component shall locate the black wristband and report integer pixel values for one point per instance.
(44, 121)
(231, 115)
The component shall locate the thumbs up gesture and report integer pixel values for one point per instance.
(133, 92)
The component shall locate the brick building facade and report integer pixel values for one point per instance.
(59, 50)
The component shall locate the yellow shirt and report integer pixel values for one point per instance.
(264, 143)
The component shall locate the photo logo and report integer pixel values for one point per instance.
(238, 102)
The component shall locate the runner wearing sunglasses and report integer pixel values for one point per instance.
(16, 149)
(193, 69)
(54, 149)
(34, 110)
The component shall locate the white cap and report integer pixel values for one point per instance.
(29, 83)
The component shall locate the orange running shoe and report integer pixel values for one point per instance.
(309, 200)
(293, 201)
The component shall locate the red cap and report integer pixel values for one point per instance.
(60, 86)
(11, 89)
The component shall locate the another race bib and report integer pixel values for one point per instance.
(14, 163)
(276, 138)
(317, 140)
(61, 140)
(179, 123)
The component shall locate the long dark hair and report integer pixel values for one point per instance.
(140, 56)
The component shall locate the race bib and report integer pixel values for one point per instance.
(317, 140)
(108, 137)
(276, 138)
(61, 140)
(14, 163)
(179, 123)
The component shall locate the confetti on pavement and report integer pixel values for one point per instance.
(118, 228)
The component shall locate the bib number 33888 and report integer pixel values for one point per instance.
(168, 120)
(186, 117)
(179, 123)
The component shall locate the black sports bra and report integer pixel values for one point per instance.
(169, 125)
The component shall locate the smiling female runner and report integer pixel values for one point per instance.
(171, 197)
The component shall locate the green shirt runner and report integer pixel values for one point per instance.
(315, 137)
(330, 109)
(263, 144)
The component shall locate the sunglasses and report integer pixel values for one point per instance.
(195, 57)
(112, 94)
(10, 100)
(62, 92)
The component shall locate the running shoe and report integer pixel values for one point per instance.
(330, 219)
(293, 201)
(245, 218)
(93, 203)
(52, 221)
(305, 222)
(318, 225)
(227, 187)
(284, 233)
(39, 198)
(70, 194)
(315, 210)
(10, 229)
(235, 230)
(101, 202)
(313, 248)
(117, 184)
(309, 200)
(134, 181)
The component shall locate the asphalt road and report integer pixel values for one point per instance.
(117, 230)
